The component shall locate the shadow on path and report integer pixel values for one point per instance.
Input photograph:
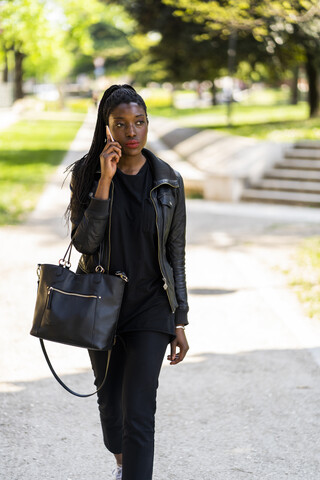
(252, 412)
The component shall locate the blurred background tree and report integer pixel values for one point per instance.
(286, 32)
(38, 38)
(58, 39)
(174, 41)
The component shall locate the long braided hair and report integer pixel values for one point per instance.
(83, 170)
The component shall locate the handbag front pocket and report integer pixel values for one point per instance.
(62, 313)
(51, 290)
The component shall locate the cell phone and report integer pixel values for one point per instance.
(108, 129)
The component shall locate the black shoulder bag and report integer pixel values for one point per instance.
(77, 309)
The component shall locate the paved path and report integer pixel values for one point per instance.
(8, 116)
(244, 404)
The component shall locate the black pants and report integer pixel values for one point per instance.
(127, 402)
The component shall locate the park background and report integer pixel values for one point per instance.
(241, 68)
(226, 75)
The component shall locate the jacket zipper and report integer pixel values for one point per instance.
(53, 289)
(165, 285)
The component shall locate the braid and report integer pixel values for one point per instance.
(83, 170)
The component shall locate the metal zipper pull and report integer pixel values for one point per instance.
(123, 276)
(165, 285)
(49, 298)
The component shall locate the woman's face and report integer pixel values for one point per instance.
(129, 126)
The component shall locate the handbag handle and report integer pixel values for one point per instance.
(66, 263)
(56, 376)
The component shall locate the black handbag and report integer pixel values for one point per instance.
(77, 309)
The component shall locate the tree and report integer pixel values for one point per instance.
(46, 37)
(187, 52)
(112, 41)
(172, 51)
(272, 23)
(27, 32)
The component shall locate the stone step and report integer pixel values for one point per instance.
(307, 144)
(299, 164)
(291, 174)
(303, 153)
(271, 196)
(287, 185)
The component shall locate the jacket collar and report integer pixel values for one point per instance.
(161, 171)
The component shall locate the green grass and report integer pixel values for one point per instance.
(29, 153)
(266, 122)
(77, 105)
(268, 96)
(305, 276)
(157, 98)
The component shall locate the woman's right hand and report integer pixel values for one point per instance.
(109, 159)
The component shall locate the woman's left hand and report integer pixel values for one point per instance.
(181, 342)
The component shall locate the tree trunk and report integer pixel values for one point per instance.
(18, 90)
(313, 79)
(294, 87)
(5, 74)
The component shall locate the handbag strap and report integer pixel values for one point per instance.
(56, 376)
(66, 262)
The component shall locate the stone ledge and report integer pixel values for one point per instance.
(228, 163)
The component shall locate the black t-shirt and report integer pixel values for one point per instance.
(134, 250)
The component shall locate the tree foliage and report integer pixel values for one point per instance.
(169, 50)
(53, 38)
(111, 38)
(45, 33)
(249, 15)
(289, 32)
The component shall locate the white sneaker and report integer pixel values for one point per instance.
(117, 473)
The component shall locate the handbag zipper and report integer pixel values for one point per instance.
(51, 289)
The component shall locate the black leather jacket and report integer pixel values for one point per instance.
(167, 195)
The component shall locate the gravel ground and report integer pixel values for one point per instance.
(243, 405)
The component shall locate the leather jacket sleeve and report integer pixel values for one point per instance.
(176, 245)
(89, 230)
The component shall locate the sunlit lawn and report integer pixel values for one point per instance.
(264, 113)
(29, 153)
(269, 122)
(77, 105)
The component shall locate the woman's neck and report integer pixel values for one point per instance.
(131, 165)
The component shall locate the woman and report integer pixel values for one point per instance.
(132, 203)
